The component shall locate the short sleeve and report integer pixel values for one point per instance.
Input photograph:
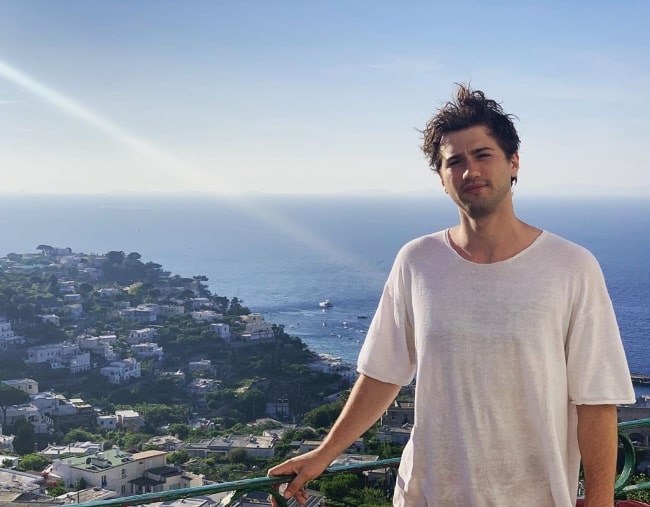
(388, 353)
(597, 368)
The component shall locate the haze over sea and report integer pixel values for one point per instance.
(284, 254)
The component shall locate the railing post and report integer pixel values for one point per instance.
(628, 466)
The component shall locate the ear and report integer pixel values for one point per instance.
(514, 165)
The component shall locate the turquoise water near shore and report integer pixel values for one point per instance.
(284, 254)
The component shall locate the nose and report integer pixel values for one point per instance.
(471, 170)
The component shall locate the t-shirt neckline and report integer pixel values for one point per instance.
(519, 254)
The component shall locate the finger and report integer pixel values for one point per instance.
(301, 497)
(281, 469)
(295, 486)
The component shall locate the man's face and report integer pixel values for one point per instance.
(475, 171)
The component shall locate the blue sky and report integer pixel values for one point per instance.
(313, 96)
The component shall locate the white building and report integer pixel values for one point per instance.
(30, 413)
(170, 310)
(197, 303)
(129, 419)
(15, 484)
(73, 449)
(75, 310)
(72, 298)
(222, 329)
(252, 318)
(86, 495)
(256, 327)
(52, 319)
(60, 355)
(147, 350)
(258, 446)
(201, 386)
(125, 473)
(141, 313)
(6, 442)
(52, 404)
(178, 375)
(328, 363)
(165, 443)
(47, 353)
(76, 364)
(59, 252)
(26, 385)
(121, 371)
(202, 365)
(206, 315)
(106, 422)
(8, 460)
(100, 345)
(8, 338)
(106, 292)
(90, 273)
(141, 335)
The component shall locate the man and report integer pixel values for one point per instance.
(510, 333)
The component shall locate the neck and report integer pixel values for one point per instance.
(491, 239)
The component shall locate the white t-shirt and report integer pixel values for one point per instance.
(503, 353)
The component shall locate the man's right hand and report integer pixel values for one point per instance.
(306, 467)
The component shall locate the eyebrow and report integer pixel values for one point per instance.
(475, 151)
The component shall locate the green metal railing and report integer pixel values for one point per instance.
(238, 489)
(622, 480)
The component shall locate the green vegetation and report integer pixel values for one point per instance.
(247, 375)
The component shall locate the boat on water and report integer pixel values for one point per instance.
(362, 316)
(326, 304)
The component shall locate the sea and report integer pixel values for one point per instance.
(283, 254)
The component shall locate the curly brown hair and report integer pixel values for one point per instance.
(469, 108)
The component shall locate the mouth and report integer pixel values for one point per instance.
(474, 187)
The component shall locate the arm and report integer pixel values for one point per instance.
(368, 400)
(598, 442)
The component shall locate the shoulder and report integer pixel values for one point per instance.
(423, 246)
(567, 252)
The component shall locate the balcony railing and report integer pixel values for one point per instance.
(239, 489)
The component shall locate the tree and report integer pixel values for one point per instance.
(134, 256)
(181, 431)
(85, 288)
(24, 441)
(80, 484)
(58, 490)
(338, 486)
(115, 257)
(10, 396)
(45, 249)
(252, 403)
(240, 456)
(236, 307)
(372, 496)
(323, 416)
(53, 285)
(33, 462)
(78, 435)
(178, 457)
